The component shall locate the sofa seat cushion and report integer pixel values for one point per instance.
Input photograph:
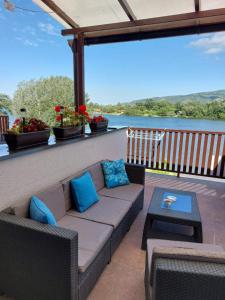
(126, 192)
(92, 237)
(166, 244)
(107, 211)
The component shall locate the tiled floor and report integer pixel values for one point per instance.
(123, 278)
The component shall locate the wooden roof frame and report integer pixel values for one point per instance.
(138, 29)
(188, 23)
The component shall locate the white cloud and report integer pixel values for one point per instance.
(27, 29)
(27, 42)
(48, 28)
(30, 43)
(211, 43)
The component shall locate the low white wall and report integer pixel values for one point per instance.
(22, 176)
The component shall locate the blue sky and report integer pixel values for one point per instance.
(32, 47)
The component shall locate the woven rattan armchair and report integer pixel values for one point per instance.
(184, 271)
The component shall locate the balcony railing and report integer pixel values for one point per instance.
(181, 151)
(4, 125)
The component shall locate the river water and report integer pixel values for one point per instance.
(171, 123)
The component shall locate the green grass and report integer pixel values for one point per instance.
(161, 172)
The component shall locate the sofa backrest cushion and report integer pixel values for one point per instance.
(97, 176)
(53, 197)
(69, 203)
(21, 209)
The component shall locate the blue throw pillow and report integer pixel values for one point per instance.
(40, 212)
(84, 192)
(115, 173)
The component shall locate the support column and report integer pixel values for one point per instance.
(78, 63)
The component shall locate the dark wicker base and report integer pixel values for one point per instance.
(88, 279)
(125, 224)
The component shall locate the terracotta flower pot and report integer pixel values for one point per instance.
(98, 126)
(27, 140)
(64, 133)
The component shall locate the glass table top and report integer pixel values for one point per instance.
(183, 203)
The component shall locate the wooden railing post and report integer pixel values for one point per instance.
(4, 126)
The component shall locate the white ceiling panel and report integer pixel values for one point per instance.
(144, 9)
(92, 12)
(211, 4)
(98, 12)
(47, 9)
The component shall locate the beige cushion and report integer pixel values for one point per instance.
(181, 250)
(107, 211)
(97, 175)
(128, 192)
(21, 209)
(91, 238)
(69, 203)
(53, 197)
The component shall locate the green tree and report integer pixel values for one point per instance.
(5, 103)
(40, 97)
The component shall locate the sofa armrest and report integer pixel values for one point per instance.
(183, 280)
(136, 173)
(37, 261)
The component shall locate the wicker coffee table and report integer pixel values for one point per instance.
(180, 221)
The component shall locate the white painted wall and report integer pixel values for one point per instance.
(23, 176)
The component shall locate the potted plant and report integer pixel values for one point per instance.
(27, 133)
(98, 123)
(69, 122)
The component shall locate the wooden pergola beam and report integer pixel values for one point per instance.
(58, 11)
(197, 5)
(126, 7)
(138, 36)
(196, 16)
(77, 46)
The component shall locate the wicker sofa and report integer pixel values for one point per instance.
(44, 262)
(184, 271)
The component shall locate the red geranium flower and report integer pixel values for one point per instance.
(17, 121)
(97, 119)
(82, 108)
(58, 118)
(58, 108)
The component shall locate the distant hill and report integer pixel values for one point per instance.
(202, 97)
